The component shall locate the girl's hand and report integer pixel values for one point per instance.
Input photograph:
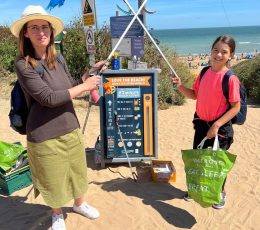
(176, 80)
(213, 131)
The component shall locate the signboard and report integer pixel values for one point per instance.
(132, 96)
(90, 43)
(137, 47)
(118, 25)
(124, 49)
(130, 46)
(88, 12)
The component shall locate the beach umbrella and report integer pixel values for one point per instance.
(249, 56)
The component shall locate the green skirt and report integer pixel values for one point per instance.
(59, 168)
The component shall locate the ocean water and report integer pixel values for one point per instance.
(199, 40)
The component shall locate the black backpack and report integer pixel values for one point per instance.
(19, 109)
(240, 118)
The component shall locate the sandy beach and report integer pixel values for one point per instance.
(148, 205)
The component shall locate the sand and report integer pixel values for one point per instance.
(146, 205)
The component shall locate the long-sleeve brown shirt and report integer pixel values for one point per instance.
(51, 112)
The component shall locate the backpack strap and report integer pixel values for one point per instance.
(203, 71)
(60, 59)
(225, 80)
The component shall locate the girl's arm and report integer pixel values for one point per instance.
(233, 111)
(190, 93)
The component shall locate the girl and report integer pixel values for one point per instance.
(213, 112)
(55, 146)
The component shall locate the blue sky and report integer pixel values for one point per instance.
(170, 14)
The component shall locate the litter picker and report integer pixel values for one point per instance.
(122, 140)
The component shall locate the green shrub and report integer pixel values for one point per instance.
(4, 33)
(103, 43)
(74, 49)
(8, 49)
(249, 74)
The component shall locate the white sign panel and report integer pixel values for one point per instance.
(124, 49)
(89, 35)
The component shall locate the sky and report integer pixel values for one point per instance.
(170, 14)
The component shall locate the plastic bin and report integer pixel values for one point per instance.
(163, 171)
(15, 180)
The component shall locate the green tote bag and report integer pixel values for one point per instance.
(206, 170)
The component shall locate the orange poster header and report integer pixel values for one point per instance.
(129, 81)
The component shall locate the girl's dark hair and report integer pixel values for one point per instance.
(227, 40)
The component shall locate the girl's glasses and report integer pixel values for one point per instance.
(37, 29)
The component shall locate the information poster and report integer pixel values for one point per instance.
(129, 108)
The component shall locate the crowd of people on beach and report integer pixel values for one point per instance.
(195, 61)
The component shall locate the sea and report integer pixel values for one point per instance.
(199, 40)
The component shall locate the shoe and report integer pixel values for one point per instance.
(222, 203)
(58, 222)
(187, 197)
(86, 210)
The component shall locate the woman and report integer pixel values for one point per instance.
(55, 146)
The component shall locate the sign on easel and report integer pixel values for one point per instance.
(132, 95)
(88, 12)
(90, 42)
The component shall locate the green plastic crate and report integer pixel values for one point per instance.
(15, 180)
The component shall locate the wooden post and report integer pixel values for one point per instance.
(142, 12)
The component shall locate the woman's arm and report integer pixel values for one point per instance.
(89, 84)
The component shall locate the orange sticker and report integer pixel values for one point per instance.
(129, 81)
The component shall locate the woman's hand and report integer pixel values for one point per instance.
(94, 68)
(92, 83)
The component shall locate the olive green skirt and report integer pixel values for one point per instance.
(59, 168)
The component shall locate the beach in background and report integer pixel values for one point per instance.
(199, 40)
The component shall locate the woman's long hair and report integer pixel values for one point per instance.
(27, 51)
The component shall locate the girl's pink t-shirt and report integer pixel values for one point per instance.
(211, 102)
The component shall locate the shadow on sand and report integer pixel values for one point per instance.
(16, 214)
(152, 194)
